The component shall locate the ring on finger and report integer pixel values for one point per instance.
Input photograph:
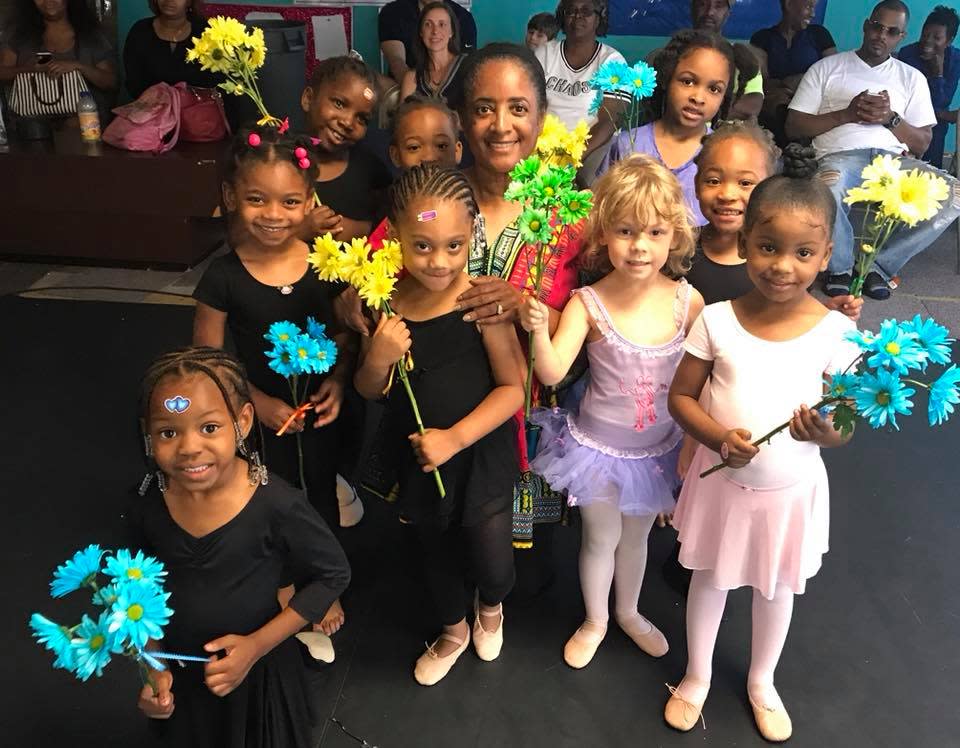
(499, 308)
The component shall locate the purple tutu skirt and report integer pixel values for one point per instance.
(589, 472)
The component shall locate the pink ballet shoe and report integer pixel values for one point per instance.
(653, 642)
(431, 668)
(773, 723)
(681, 714)
(582, 646)
(487, 643)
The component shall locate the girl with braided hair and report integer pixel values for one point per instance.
(469, 382)
(229, 538)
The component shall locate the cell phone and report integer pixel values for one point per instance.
(44, 57)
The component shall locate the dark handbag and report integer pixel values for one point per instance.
(202, 119)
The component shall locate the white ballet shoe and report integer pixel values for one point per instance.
(351, 508)
(318, 644)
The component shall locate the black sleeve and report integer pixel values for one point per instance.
(214, 287)
(468, 28)
(761, 40)
(389, 26)
(822, 38)
(314, 559)
(134, 70)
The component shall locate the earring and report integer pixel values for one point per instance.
(145, 484)
(147, 445)
(241, 442)
(256, 470)
(161, 481)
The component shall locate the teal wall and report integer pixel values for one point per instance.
(506, 20)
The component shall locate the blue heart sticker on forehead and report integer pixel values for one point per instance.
(177, 404)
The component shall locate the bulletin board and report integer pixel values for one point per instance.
(664, 17)
(295, 13)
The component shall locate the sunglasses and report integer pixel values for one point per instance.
(580, 12)
(891, 32)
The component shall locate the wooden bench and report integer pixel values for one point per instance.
(90, 202)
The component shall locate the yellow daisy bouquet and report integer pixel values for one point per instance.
(894, 197)
(374, 275)
(226, 46)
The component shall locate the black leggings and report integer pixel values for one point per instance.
(486, 548)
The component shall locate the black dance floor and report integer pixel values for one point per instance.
(872, 659)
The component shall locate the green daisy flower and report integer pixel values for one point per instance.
(575, 206)
(534, 226)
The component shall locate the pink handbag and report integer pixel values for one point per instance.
(151, 123)
(202, 119)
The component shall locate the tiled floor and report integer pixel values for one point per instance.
(930, 285)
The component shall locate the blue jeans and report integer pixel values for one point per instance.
(841, 171)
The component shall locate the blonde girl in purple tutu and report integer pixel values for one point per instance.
(617, 457)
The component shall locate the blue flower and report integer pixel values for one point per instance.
(282, 359)
(325, 356)
(93, 644)
(862, 338)
(139, 614)
(56, 638)
(596, 103)
(280, 332)
(124, 567)
(844, 386)
(944, 394)
(106, 595)
(305, 350)
(881, 397)
(643, 80)
(895, 348)
(933, 338)
(78, 572)
(613, 75)
(316, 330)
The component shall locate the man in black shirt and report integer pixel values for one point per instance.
(398, 29)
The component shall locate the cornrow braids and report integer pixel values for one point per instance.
(415, 102)
(335, 67)
(430, 180)
(682, 43)
(797, 187)
(266, 144)
(225, 371)
(739, 129)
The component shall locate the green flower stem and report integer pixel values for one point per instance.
(919, 384)
(770, 434)
(146, 677)
(402, 373)
(531, 357)
(292, 381)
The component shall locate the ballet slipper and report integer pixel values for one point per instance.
(351, 508)
(681, 714)
(431, 668)
(318, 645)
(487, 643)
(582, 646)
(772, 722)
(653, 642)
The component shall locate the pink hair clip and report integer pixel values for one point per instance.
(300, 152)
(304, 163)
(253, 140)
(427, 215)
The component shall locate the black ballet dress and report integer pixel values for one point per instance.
(226, 582)
(451, 376)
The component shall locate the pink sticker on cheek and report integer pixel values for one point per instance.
(427, 215)
(368, 94)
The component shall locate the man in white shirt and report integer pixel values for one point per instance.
(855, 106)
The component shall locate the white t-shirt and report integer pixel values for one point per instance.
(831, 83)
(568, 93)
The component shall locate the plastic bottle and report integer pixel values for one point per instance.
(89, 118)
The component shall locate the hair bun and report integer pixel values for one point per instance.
(799, 161)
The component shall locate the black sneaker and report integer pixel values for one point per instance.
(876, 287)
(838, 284)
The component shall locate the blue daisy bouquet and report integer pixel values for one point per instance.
(297, 355)
(134, 611)
(625, 82)
(878, 385)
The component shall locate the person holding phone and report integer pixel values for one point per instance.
(56, 37)
(858, 105)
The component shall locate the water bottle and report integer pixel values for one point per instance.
(89, 118)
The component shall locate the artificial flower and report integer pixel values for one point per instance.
(643, 80)
(917, 196)
(281, 332)
(140, 613)
(551, 136)
(547, 189)
(124, 567)
(391, 255)
(106, 595)
(612, 76)
(575, 206)
(518, 191)
(869, 194)
(933, 338)
(575, 142)
(325, 356)
(897, 349)
(377, 289)
(305, 349)
(862, 338)
(944, 394)
(92, 645)
(56, 638)
(78, 572)
(843, 385)
(325, 257)
(883, 171)
(315, 329)
(526, 170)
(881, 396)
(534, 226)
(354, 259)
(282, 359)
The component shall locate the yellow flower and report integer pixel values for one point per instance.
(354, 260)
(377, 289)
(257, 48)
(867, 249)
(917, 196)
(551, 137)
(226, 32)
(326, 257)
(575, 142)
(882, 172)
(391, 255)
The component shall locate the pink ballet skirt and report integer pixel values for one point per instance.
(622, 446)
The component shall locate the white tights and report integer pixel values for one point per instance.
(613, 549)
(771, 622)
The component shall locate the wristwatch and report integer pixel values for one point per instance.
(895, 120)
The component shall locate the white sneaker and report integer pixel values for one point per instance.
(351, 508)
